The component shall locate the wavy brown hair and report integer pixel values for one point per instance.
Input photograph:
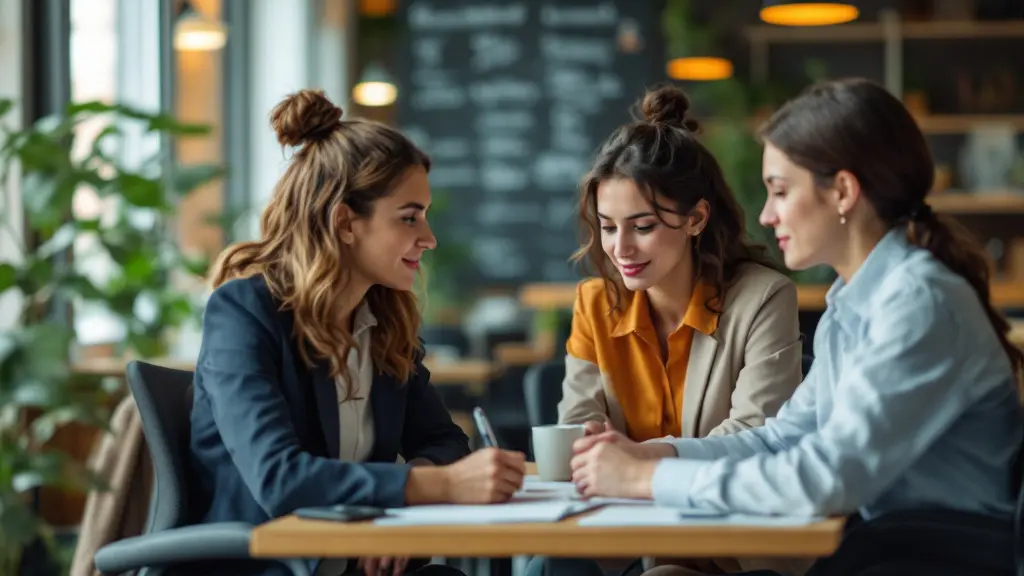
(856, 125)
(661, 154)
(300, 254)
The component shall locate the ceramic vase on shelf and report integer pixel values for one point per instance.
(988, 157)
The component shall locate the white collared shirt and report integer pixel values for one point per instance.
(355, 418)
(911, 404)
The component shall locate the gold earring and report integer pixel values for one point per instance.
(842, 217)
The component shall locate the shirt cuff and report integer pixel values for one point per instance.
(673, 479)
(684, 447)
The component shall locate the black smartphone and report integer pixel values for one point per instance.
(341, 513)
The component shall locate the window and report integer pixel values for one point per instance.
(94, 66)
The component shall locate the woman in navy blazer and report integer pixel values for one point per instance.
(310, 382)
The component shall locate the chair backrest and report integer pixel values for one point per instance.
(445, 337)
(542, 387)
(1018, 516)
(805, 364)
(164, 398)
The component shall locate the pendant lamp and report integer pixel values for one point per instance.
(375, 87)
(701, 68)
(197, 33)
(803, 13)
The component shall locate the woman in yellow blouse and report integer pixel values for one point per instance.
(688, 331)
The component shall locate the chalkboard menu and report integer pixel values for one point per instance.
(511, 99)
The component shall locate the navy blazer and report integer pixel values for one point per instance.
(265, 430)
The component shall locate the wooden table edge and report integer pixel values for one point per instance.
(294, 537)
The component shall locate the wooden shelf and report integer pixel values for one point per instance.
(1004, 295)
(810, 297)
(964, 123)
(994, 202)
(875, 32)
(548, 295)
(935, 124)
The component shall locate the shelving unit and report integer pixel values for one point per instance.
(934, 124)
(876, 32)
(962, 123)
(989, 202)
(890, 30)
(893, 34)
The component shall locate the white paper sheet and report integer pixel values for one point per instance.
(535, 489)
(510, 513)
(663, 516)
(620, 501)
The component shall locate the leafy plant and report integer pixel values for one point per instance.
(441, 292)
(39, 389)
(733, 105)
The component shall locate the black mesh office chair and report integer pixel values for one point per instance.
(932, 543)
(164, 398)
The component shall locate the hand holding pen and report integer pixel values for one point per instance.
(488, 476)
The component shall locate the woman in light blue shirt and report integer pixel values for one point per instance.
(912, 400)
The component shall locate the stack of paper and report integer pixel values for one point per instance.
(533, 485)
(535, 489)
(510, 513)
(632, 516)
(663, 516)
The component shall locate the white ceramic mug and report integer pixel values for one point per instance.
(552, 450)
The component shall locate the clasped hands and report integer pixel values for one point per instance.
(607, 463)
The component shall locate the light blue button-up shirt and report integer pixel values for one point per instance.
(911, 403)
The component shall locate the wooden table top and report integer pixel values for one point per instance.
(295, 537)
(292, 536)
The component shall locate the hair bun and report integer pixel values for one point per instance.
(668, 105)
(305, 116)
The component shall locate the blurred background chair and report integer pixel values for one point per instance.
(542, 389)
(164, 398)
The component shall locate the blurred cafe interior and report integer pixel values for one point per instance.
(169, 104)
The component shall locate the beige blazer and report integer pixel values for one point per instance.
(736, 377)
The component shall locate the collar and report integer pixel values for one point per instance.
(364, 319)
(636, 316)
(854, 298)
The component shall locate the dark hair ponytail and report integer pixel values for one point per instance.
(857, 125)
(953, 245)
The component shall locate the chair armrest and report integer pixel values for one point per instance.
(943, 537)
(219, 541)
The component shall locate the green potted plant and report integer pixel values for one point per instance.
(442, 295)
(732, 104)
(39, 388)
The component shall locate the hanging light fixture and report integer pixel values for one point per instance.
(194, 32)
(701, 68)
(803, 13)
(375, 87)
(377, 8)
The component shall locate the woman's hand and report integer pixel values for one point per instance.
(594, 427)
(380, 566)
(486, 476)
(651, 451)
(609, 469)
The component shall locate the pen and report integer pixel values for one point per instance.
(579, 509)
(483, 426)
